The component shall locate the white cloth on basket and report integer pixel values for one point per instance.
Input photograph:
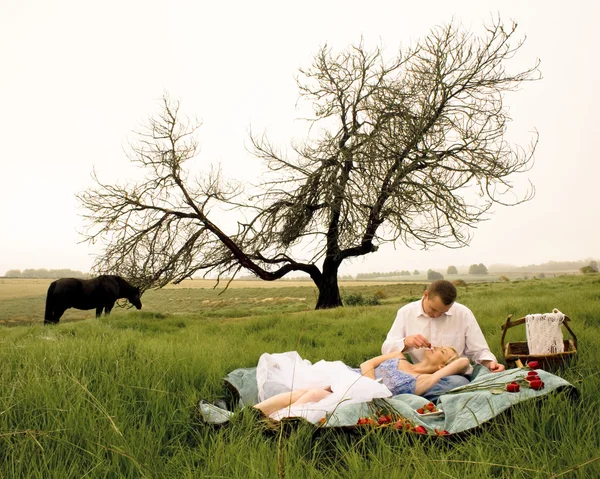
(544, 332)
(284, 372)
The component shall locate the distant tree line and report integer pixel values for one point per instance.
(478, 269)
(45, 273)
(587, 267)
(590, 268)
(434, 275)
(378, 274)
(550, 266)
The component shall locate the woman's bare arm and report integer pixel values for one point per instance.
(425, 381)
(455, 367)
(367, 368)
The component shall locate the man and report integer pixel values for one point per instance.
(436, 319)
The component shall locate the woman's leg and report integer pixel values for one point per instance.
(281, 400)
(313, 395)
(298, 396)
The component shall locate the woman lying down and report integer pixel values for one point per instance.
(290, 386)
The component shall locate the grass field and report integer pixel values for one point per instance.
(23, 300)
(116, 397)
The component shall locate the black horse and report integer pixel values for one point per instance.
(99, 293)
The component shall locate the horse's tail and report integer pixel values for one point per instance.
(48, 316)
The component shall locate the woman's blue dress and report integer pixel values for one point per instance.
(398, 382)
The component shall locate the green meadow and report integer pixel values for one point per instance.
(116, 397)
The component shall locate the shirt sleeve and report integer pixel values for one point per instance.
(396, 335)
(476, 347)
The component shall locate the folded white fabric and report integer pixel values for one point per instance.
(544, 332)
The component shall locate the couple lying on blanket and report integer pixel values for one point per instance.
(291, 386)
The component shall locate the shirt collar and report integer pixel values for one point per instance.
(421, 312)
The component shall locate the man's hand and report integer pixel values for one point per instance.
(493, 366)
(416, 341)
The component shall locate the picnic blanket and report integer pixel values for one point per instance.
(459, 410)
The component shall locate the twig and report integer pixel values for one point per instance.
(32, 436)
(27, 432)
(574, 468)
(488, 383)
(98, 406)
(280, 469)
(587, 377)
(124, 454)
(487, 464)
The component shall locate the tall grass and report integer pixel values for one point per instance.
(116, 397)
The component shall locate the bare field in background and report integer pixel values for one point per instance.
(11, 288)
(23, 300)
(24, 287)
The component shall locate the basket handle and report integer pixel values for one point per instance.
(504, 327)
(566, 325)
(509, 324)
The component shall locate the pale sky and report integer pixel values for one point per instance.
(78, 77)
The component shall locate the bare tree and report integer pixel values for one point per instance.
(400, 147)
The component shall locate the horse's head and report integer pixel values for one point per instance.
(135, 298)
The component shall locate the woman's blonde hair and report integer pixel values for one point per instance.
(453, 358)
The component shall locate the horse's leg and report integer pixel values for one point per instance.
(57, 313)
(49, 318)
(49, 312)
(49, 315)
(108, 308)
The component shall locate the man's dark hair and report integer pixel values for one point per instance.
(444, 289)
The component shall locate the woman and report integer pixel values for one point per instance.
(402, 377)
(291, 386)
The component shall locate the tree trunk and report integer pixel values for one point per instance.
(329, 291)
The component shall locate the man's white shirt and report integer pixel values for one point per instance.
(457, 328)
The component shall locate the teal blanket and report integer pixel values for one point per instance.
(459, 410)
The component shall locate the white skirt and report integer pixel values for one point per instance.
(285, 372)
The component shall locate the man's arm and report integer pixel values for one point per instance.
(476, 347)
(397, 340)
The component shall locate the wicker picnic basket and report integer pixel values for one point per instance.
(517, 354)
